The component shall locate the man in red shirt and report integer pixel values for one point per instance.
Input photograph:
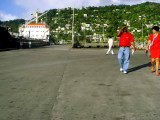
(126, 39)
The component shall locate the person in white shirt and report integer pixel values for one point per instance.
(110, 44)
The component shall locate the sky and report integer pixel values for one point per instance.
(17, 9)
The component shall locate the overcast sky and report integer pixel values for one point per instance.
(13, 9)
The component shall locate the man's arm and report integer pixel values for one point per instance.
(120, 31)
(134, 48)
(113, 44)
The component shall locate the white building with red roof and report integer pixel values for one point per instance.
(36, 31)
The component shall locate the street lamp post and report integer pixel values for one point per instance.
(142, 29)
(140, 17)
(103, 31)
(73, 28)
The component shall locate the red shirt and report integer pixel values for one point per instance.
(156, 43)
(125, 39)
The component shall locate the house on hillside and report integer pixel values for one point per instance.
(85, 15)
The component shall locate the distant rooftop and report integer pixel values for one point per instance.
(36, 24)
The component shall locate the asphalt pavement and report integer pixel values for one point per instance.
(61, 83)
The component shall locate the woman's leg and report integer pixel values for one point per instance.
(157, 65)
(152, 62)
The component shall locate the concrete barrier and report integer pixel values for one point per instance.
(32, 43)
(141, 45)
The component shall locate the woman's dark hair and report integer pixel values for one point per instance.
(155, 28)
(109, 36)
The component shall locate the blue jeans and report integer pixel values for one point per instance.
(123, 57)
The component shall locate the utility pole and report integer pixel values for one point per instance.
(142, 29)
(140, 18)
(103, 31)
(73, 27)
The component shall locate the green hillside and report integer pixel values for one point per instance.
(138, 16)
(13, 24)
(104, 19)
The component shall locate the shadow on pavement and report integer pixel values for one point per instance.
(139, 67)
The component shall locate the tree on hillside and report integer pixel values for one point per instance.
(14, 24)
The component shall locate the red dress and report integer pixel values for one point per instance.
(155, 47)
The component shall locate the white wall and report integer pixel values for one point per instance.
(35, 31)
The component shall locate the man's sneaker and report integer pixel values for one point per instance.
(121, 69)
(125, 72)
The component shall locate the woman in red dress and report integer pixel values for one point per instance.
(154, 44)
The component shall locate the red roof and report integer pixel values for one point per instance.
(36, 24)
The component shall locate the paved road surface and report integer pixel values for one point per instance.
(59, 83)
